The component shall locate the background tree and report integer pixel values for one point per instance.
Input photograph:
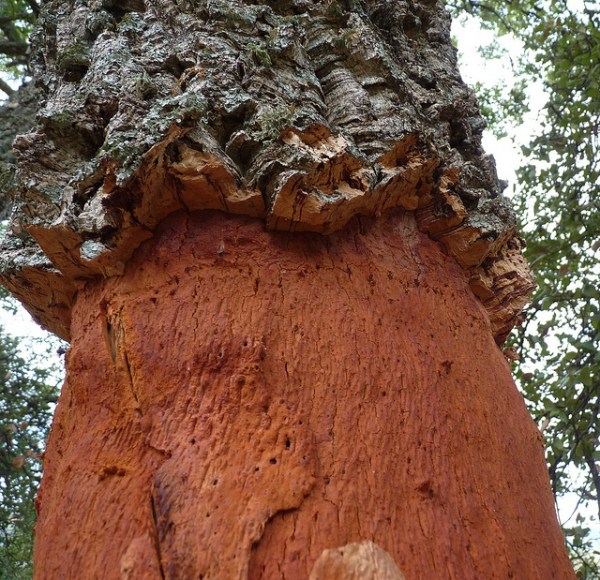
(28, 383)
(558, 197)
(16, 20)
(27, 396)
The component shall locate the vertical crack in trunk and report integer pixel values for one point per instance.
(156, 536)
(130, 381)
(121, 348)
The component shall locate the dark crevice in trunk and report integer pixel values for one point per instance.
(156, 535)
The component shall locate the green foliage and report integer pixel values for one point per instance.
(16, 20)
(27, 398)
(558, 199)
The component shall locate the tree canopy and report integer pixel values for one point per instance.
(27, 397)
(16, 20)
(558, 202)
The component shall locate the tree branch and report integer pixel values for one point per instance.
(9, 19)
(11, 48)
(6, 88)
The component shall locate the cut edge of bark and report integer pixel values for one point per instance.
(322, 198)
(334, 114)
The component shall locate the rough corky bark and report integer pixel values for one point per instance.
(302, 113)
(17, 115)
(247, 393)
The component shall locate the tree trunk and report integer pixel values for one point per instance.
(239, 401)
(312, 388)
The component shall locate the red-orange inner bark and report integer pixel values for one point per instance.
(238, 401)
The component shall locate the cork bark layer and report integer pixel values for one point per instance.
(244, 404)
(305, 114)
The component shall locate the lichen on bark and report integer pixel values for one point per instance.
(303, 114)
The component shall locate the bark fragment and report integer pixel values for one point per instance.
(364, 561)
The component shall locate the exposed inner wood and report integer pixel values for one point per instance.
(239, 401)
(359, 561)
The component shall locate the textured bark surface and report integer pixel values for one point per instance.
(239, 401)
(17, 115)
(247, 396)
(303, 113)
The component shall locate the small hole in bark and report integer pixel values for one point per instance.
(245, 342)
(272, 461)
(193, 441)
(384, 393)
(207, 515)
(215, 481)
(327, 480)
(256, 469)
(288, 443)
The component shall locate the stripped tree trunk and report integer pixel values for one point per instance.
(314, 386)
